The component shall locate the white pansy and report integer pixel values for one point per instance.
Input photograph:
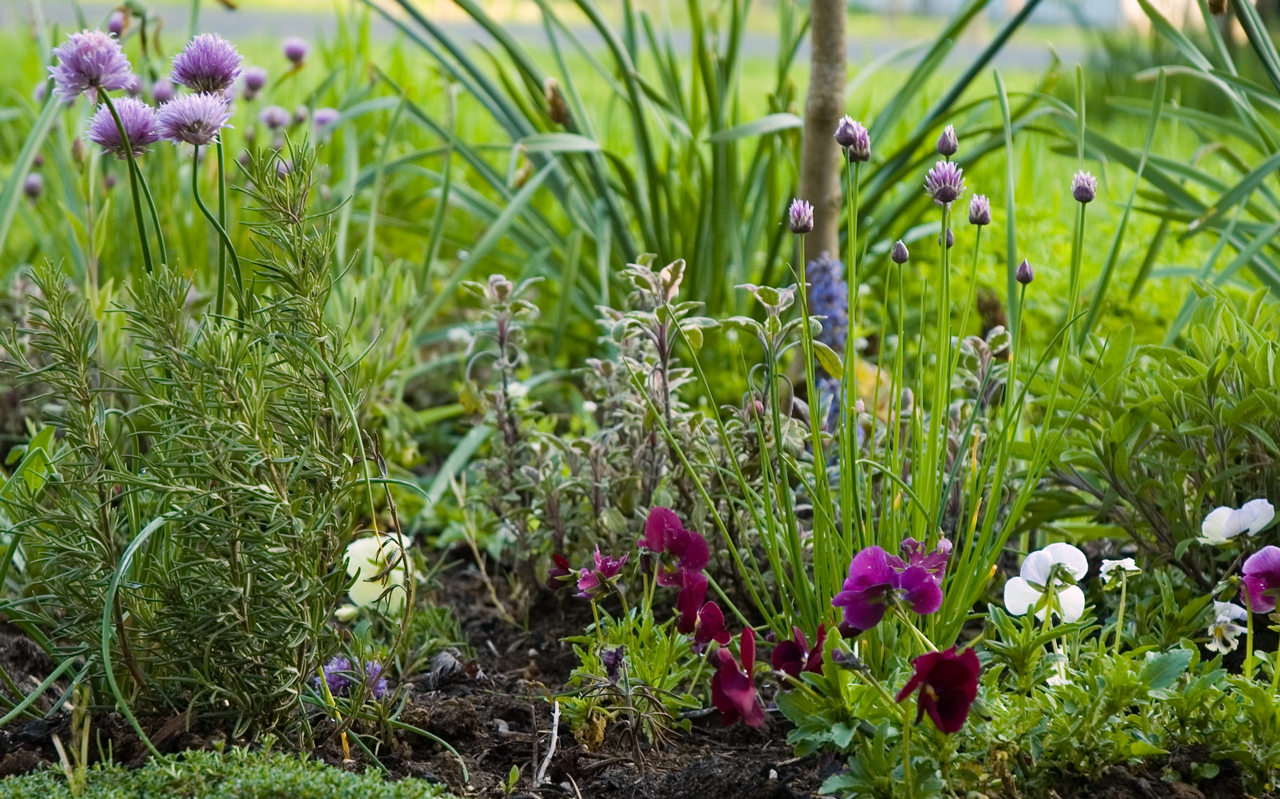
(1059, 675)
(1113, 568)
(517, 390)
(1223, 631)
(1026, 591)
(1224, 524)
(367, 558)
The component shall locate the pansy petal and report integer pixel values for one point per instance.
(920, 590)
(1215, 523)
(862, 609)
(1229, 611)
(1255, 515)
(1070, 603)
(1072, 558)
(657, 528)
(1019, 596)
(1036, 567)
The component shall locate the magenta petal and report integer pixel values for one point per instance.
(919, 590)
(862, 609)
(1254, 592)
(788, 658)
(870, 567)
(1262, 579)
(657, 528)
(689, 602)
(690, 550)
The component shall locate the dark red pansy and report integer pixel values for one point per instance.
(710, 628)
(794, 656)
(560, 574)
(948, 684)
(689, 602)
(733, 692)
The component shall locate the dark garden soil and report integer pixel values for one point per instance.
(495, 710)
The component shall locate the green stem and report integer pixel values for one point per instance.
(1124, 580)
(222, 220)
(1248, 640)
(155, 218)
(133, 179)
(921, 637)
(222, 234)
(907, 777)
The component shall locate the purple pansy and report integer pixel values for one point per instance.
(710, 628)
(89, 61)
(593, 583)
(948, 684)
(140, 125)
(1262, 579)
(877, 578)
(560, 574)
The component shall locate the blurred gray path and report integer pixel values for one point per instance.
(245, 23)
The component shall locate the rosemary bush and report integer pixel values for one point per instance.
(186, 537)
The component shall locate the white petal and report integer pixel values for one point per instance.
(361, 552)
(1071, 601)
(1071, 557)
(1214, 524)
(1255, 515)
(1035, 569)
(1019, 596)
(1229, 611)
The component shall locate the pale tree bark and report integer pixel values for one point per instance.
(820, 158)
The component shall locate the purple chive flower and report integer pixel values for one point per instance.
(324, 116)
(948, 144)
(829, 299)
(1262, 579)
(134, 89)
(254, 79)
(208, 64)
(115, 25)
(38, 92)
(162, 91)
(296, 50)
(140, 125)
(951, 239)
(979, 210)
(1084, 187)
(33, 186)
(899, 253)
(877, 578)
(801, 216)
(1025, 273)
(593, 583)
(301, 114)
(274, 117)
(193, 119)
(853, 137)
(89, 61)
(945, 182)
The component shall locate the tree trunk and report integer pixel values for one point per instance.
(820, 158)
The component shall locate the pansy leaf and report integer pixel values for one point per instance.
(1163, 670)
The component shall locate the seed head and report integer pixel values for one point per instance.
(948, 144)
(324, 116)
(1084, 187)
(855, 140)
(274, 117)
(899, 253)
(193, 119)
(945, 182)
(1025, 273)
(139, 121)
(801, 215)
(162, 91)
(296, 50)
(89, 61)
(979, 210)
(208, 64)
(33, 186)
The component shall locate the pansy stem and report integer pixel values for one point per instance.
(907, 777)
(1124, 580)
(921, 637)
(133, 179)
(1248, 639)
